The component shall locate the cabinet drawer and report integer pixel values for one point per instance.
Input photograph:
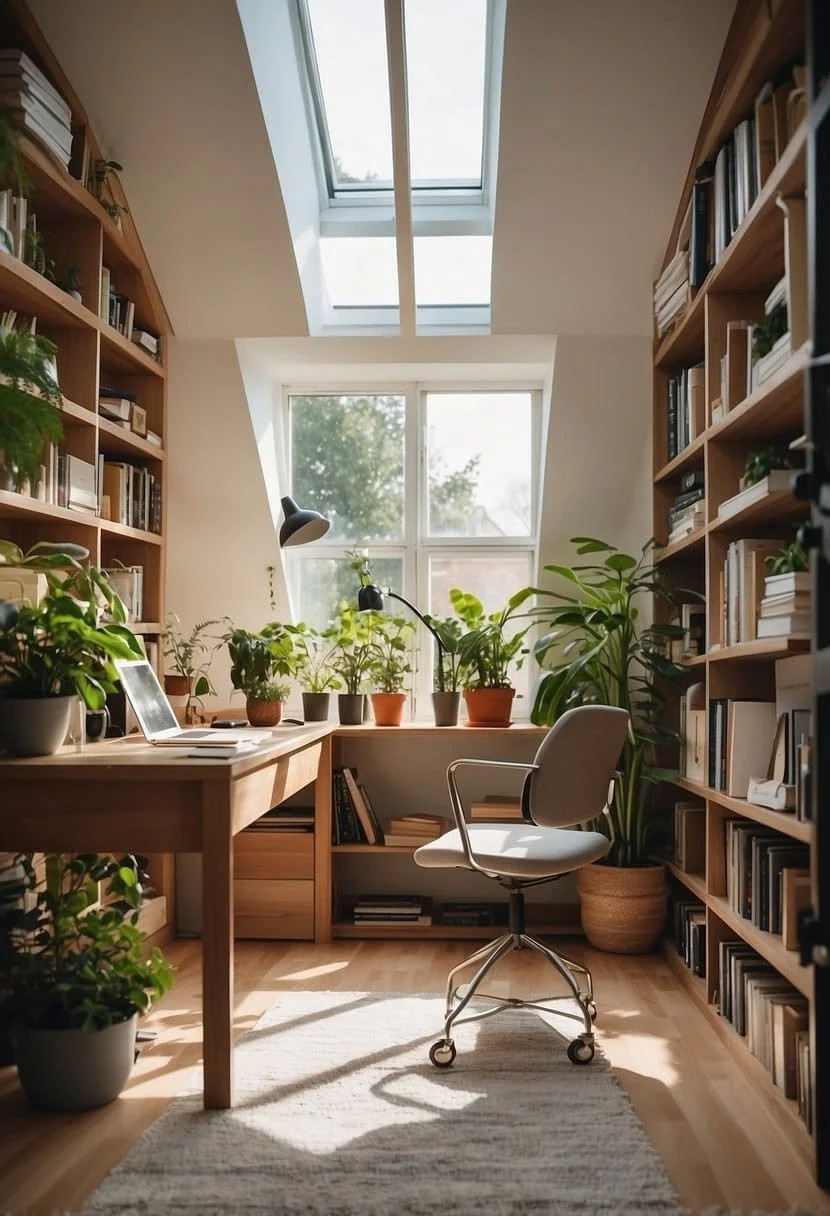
(268, 855)
(273, 908)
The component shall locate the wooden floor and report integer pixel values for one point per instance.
(724, 1142)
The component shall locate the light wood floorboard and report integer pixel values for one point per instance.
(723, 1142)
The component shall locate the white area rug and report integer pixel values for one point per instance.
(339, 1111)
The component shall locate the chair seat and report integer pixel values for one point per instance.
(521, 851)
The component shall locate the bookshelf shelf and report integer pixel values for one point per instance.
(760, 245)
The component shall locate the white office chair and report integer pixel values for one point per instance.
(570, 782)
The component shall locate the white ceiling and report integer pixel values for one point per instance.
(601, 100)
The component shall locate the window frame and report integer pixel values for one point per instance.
(416, 545)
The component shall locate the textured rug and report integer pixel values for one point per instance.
(339, 1111)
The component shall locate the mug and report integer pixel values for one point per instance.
(97, 724)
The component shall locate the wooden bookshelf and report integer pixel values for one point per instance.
(764, 43)
(91, 353)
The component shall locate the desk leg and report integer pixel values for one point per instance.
(217, 946)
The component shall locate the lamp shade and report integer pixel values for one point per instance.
(299, 526)
(370, 599)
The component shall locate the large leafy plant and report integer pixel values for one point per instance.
(597, 649)
(313, 653)
(30, 403)
(354, 647)
(392, 635)
(72, 962)
(60, 647)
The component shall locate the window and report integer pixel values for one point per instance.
(439, 484)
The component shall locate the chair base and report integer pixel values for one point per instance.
(458, 997)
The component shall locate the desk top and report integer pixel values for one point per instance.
(146, 762)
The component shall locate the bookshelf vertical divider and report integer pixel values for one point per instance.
(746, 323)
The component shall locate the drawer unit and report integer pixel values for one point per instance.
(273, 889)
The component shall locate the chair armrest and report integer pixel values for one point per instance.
(457, 804)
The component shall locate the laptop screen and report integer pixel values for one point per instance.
(147, 697)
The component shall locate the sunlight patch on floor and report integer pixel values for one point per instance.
(310, 973)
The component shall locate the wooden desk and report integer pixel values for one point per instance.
(126, 796)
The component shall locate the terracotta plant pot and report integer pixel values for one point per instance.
(623, 908)
(388, 707)
(178, 686)
(263, 713)
(489, 706)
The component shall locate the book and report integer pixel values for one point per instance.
(790, 582)
(795, 896)
(796, 625)
(406, 840)
(788, 1018)
(776, 481)
(749, 735)
(496, 808)
(428, 826)
(690, 837)
(365, 814)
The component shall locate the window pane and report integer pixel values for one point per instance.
(445, 59)
(350, 48)
(318, 583)
(452, 270)
(347, 456)
(479, 464)
(360, 271)
(494, 578)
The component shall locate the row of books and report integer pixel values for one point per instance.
(741, 583)
(130, 495)
(771, 1014)
(688, 927)
(115, 308)
(34, 104)
(685, 408)
(762, 867)
(725, 189)
(671, 291)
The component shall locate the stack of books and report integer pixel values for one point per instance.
(471, 912)
(34, 104)
(671, 291)
(496, 808)
(411, 831)
(392, 909)
(785, 610)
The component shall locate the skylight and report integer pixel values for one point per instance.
(403, 117)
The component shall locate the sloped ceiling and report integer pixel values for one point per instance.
(600, 103)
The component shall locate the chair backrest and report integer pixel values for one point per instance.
(577, 759)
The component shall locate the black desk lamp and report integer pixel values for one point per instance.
(370, 598)
(300, 527)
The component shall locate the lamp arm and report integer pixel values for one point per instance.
(395, 596)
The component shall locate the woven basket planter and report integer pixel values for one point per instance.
(623, 909)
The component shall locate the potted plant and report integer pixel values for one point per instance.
(486, 653)
(313, 657)
(71, 282)
(392, 637)
(77, 979)
(353, 652)
(257, 662)
(102, 188)
(30, 406)
(55, 651)
(187, 660)
(449, 673)
(789, 570)
(598, 650)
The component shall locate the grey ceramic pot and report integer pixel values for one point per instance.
(34, 726)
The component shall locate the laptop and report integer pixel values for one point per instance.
(158, 721)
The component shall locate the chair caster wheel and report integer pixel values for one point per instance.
(580, 1052)
(591, 1010)
(443, 1053)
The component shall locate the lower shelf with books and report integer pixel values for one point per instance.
(546, 920)
(750, 1064)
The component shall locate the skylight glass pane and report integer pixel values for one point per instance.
(360, 271)
(445, 62)
(350, 48)
(452, 270)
